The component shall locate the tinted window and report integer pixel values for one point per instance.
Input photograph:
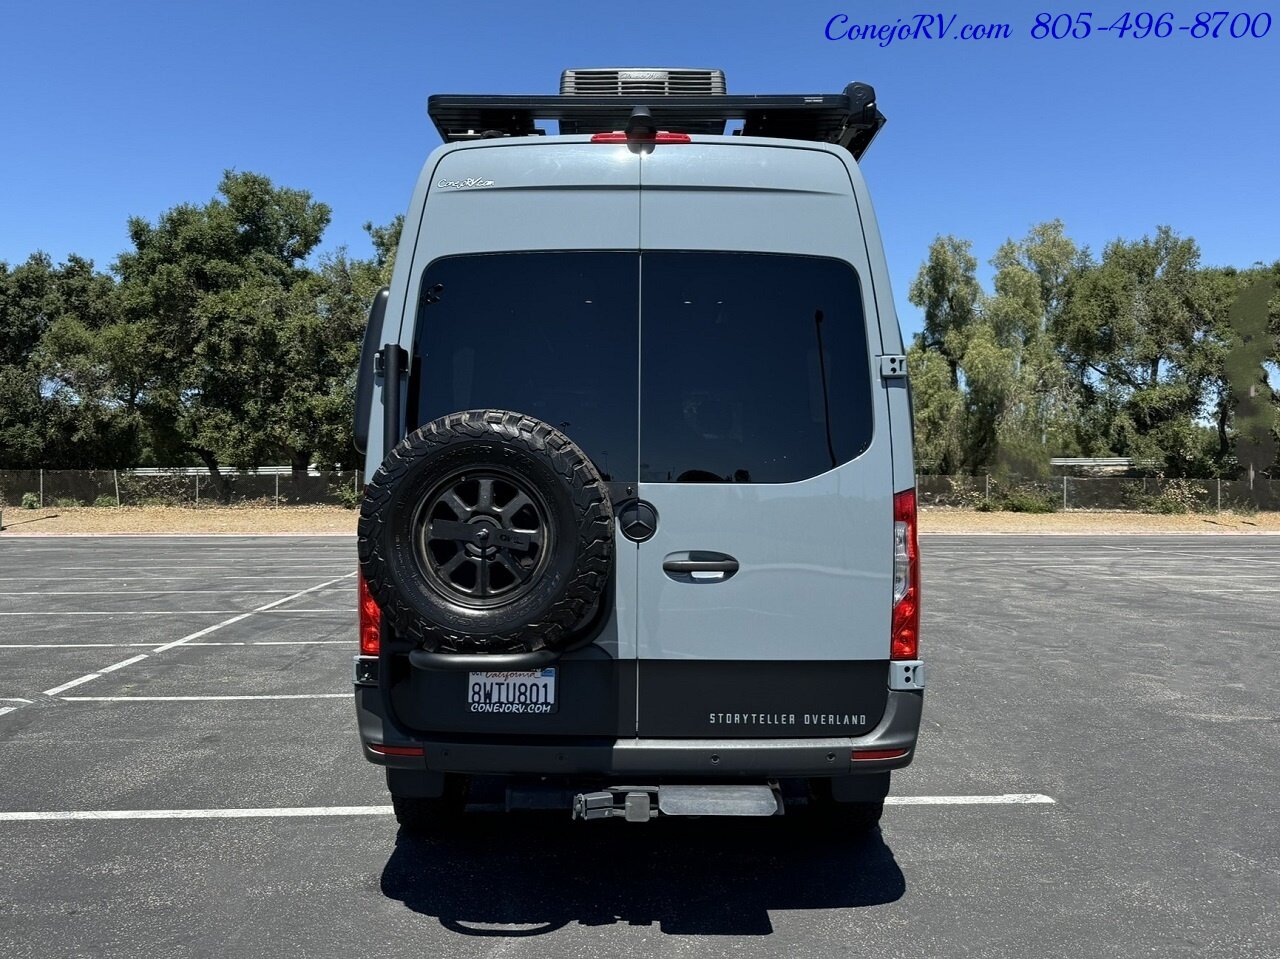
(754, 367)
(552, 335)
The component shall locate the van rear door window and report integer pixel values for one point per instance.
(552, 335)
(754, 367)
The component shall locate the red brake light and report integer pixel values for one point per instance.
(865, 755)
(620, 136)
(370, 619)
(904, 640)
(382, 750)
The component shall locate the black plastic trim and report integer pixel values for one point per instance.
(849, 119)
(703, 758)
(464, 662)
(365, 372)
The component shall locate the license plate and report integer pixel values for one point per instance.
(530, 692)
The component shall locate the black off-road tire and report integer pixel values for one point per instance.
(579, 547)
(854, 819)
(849, 820)
(421, 816)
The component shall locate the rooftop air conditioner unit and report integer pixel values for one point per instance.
(642, 81)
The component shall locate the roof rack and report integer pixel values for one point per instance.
(849, 119)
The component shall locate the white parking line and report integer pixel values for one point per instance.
(194, 636)
(159, 612)
(1010, 799)
(142, 580)
(122, 612)
(266, 812)
(154, 592)
(116, 569)
(74, 645)
(275, 812)
(7, 709)
(78, 681)
(123, 663)
(204, 699)
(197, 699)
(280, 642)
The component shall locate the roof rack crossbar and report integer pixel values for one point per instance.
(849, 119)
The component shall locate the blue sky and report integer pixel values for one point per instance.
(111, 109)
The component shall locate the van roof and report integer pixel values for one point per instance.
(849, 119)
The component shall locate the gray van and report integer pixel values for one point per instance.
(639, 532)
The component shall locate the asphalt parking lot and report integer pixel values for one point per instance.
(1133, 681)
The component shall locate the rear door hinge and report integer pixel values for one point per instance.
(893, 366)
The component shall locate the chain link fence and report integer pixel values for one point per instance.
(279, 487)
(177, 487)
(1115, 493)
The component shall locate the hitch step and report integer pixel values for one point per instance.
(642, 803)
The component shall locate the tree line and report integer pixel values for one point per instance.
(212, 341)
(218, 339)
(1141, 352)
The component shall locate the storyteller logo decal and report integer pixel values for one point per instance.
(787, 719)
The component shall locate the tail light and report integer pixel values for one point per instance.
(370, 619)
(904, 640)
(383, 750)
(662, 136)
(867, 755)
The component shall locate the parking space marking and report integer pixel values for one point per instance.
(123, 663)
(7, 709)
(143, 579)
(281, 642)
(1008, 799)
(121, 612)
(274, 812)
(156, 612)
(153, 592)
(222, 566)
(190, 637)
(199, 699)
(74, 645)
(251, 813)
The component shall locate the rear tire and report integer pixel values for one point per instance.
(424, 817)
(432, 816)
(850, 819)
(854, 818)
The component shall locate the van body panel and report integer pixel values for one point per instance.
(814, 580)
(546, 194)
(798, 635)
(794, 644)
(488, 198)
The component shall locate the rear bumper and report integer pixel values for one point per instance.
(704, 758)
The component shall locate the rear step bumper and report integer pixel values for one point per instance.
(769, 758)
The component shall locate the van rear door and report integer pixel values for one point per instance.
(764, 584)
(523, 297)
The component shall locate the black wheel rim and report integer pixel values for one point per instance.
(482, 538)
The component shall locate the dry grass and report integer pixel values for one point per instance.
(178, 519)
(141, 520)
(1073, 521)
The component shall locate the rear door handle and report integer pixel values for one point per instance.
(699, 566)
(728, 565)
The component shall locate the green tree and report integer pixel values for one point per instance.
(1037, 415)
(1146, 331)
(55, 408)
(241, 369)
(947, 290)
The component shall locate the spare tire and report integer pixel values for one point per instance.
(486, 531)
